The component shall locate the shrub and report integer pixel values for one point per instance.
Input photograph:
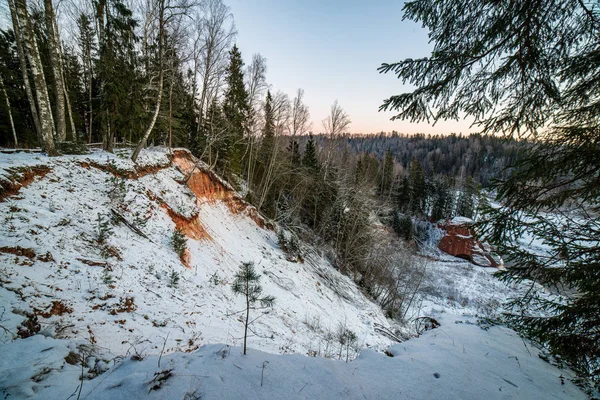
(103, 229)
(174, 278)
(179, 242)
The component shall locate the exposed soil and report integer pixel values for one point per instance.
(207, 186)
(191, 227)
(23, 177)
(58, 308)
(111, 169)
(19, 251)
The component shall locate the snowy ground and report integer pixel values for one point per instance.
(109, 301)
(458, 361)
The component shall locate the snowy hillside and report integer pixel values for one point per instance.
(87, 269)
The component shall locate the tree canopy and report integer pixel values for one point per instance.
(527, 68)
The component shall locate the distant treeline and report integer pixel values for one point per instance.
(482, 157)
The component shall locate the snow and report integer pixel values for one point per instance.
(461, 221)
(459, 361)
(57, 215)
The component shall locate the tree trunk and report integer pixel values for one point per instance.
(10, 117)
(161, 22)
(247, 316)
(73, 135)
(23, 61)
(90, 80)
(61, 124)
(171, 98)
(41, 91)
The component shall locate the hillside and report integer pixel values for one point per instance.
(76, 281)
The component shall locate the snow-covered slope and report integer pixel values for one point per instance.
(121, 288)
(65, 296)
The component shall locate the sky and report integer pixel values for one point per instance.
(332, 50)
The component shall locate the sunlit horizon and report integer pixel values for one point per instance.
(333, 54)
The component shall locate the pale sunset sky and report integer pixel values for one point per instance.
(332, 50)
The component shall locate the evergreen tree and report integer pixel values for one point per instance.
(387, 174)
(403, 194)
(247, 283)
(441, 199)
(116, 67)
(265, 178)
(310, 160)
(465, 205)
(402, 225)
(521, 71)
(236, 108)
(268, 142)
(418, 188)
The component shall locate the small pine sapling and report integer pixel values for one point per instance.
(174, 278)
(103, 229)
(246, 283)
(179, 242)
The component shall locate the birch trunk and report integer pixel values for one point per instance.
(41, 91)
(61, 124)
(73, 135)
(161, 21)
(10, 117)
(23, 62)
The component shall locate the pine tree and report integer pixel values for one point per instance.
(387, 174)
(267, 144)
(247, 283)
(403, 196)
(441, 199)
(310, 160)
(418, 188)
(465, 205)
(236, 109)
(527, 69)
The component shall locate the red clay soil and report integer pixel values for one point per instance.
(186, 259)
(191, 227)
(460, 241)
(207, 186)
(58, 308)
(28, 176)
(18, 251)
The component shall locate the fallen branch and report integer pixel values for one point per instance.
(386, 332)
(131, 226)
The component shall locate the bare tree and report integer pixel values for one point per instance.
(161, 37)
(44, 113)
(256, 83)
(300, 118)
(216, 30)
(23, 63)
(256, 79)
(336, 123)
(10, 117)
(55, 66)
